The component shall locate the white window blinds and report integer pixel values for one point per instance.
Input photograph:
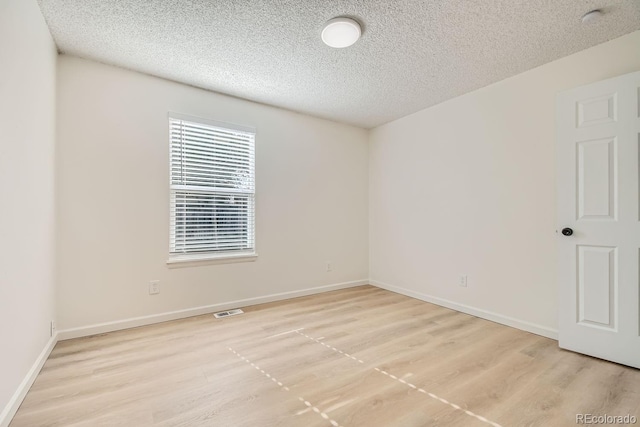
(212, 188)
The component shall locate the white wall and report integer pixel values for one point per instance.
(468, 186)
(27, 132)
(113, 198)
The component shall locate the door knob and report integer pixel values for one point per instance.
(567, 231)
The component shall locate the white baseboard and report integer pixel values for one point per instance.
(484, 314)
(117, 325)
(16, 400)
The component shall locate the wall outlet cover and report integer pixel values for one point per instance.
(463, 280)
(154, 287)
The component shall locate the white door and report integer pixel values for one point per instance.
(597, 162)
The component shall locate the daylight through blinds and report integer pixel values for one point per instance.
(212, 188)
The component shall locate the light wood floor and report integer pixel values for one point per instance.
(366, 357)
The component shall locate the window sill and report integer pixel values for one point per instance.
(208, 259)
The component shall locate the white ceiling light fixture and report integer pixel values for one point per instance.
(591, 16)
(341, 32)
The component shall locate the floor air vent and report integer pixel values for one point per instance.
(227, 313)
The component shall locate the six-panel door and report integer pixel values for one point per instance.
(597, 188)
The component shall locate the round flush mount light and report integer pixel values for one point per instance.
(341, 32)
(591, 16)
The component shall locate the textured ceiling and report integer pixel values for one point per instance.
(412, 54)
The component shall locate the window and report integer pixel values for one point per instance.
(212, 189)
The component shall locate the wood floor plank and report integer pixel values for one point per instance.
(355, 357)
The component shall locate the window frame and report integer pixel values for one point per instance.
(211, 257)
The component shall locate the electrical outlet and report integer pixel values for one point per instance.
(329, 267)
(462, 281)
(154, 287)
(53, 328)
